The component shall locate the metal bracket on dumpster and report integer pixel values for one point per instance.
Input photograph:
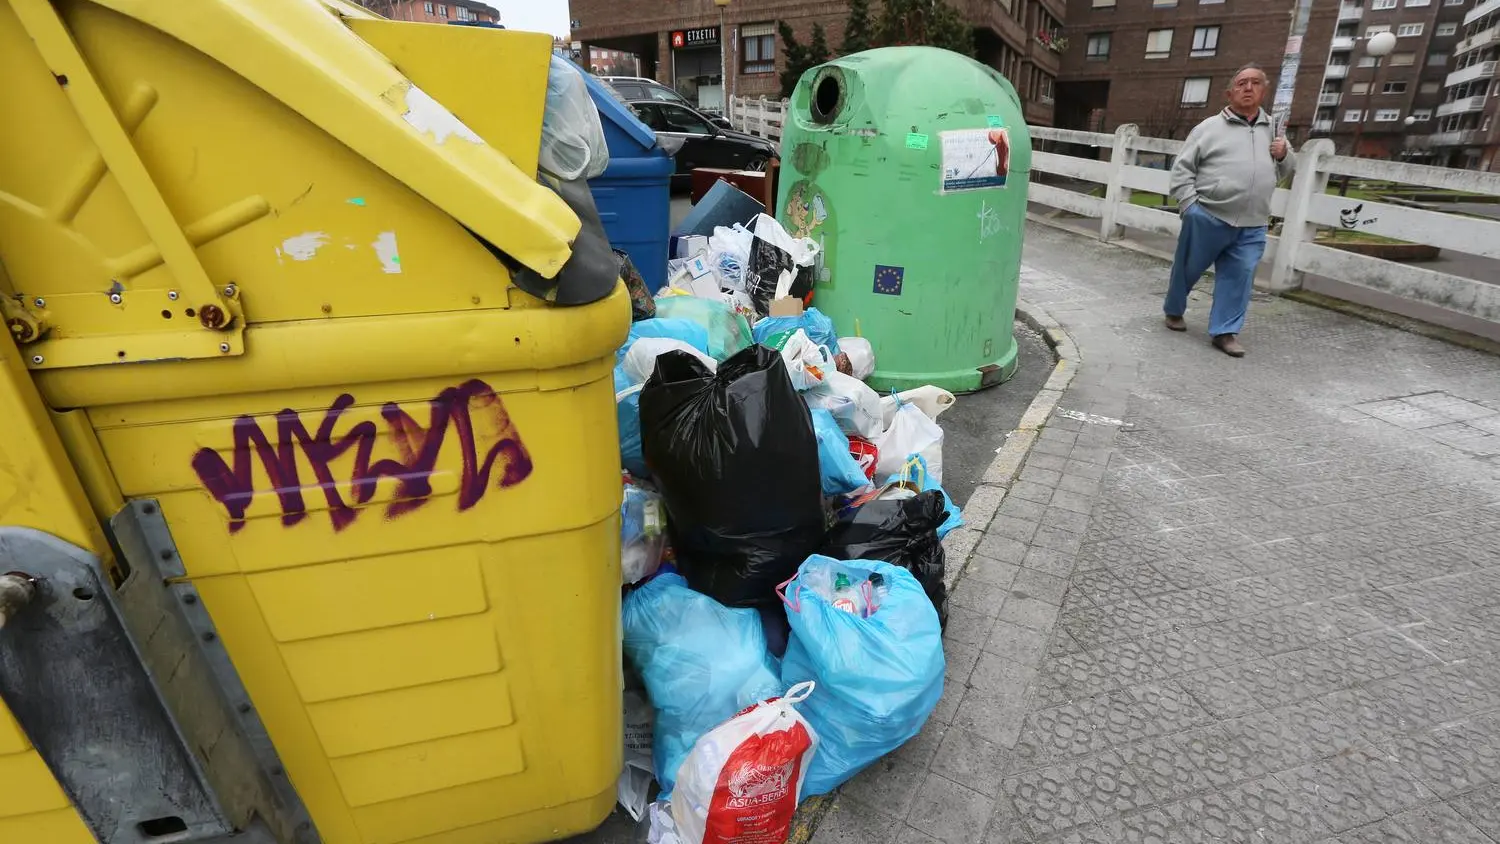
(131, 700)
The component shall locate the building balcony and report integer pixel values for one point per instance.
(1486, 7)
(1479, 70)
(1336, 71)
(1462, 137)
(1417, 142)
(1351, 13)
(1343, 42)
(1329, 99)
(1482, 38)
(1464, 105)
(1322, 126)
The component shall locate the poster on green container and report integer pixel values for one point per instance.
(975, 159)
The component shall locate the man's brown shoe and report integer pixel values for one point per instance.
(1176, 323)
(1229, 345)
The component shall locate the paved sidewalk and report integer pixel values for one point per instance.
(1265, 608)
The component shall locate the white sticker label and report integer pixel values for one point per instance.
(975, 159)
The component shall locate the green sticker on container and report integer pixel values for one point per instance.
(915, 140)
(995, 121)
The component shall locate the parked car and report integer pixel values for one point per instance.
(633, 88)
(704, 144)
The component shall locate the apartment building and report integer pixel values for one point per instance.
(1386, 107)
(1165, 64)
(1467, 120)
(693, 45)
(433, 11)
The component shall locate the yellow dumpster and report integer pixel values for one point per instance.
(308, 513)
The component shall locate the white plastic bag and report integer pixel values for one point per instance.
(573, 144)
(932, 400)
(861, 356)
(634, 784)
(806, 362)
(662, 829)
(640, 359)
(912, 432)
(852, 403)
(743, 780)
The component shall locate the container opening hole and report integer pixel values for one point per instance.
(83, 593)
(161, 827)
(166, 314)
(826, 99)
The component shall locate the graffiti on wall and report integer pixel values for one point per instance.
(452, 415)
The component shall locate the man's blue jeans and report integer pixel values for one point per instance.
(1232, 251)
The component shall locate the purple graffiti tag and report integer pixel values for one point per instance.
(418, 448)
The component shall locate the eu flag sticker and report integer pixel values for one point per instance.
(888, 279)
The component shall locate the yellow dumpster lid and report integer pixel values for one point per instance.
(309, 59)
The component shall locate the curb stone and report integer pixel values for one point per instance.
(986, 499)
(980, 510)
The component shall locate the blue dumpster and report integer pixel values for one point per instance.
(634, 193)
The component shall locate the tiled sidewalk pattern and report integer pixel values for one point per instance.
(1266, 609)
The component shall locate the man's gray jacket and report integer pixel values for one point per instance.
(1226, 167)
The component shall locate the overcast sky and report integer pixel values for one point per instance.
(549, 16)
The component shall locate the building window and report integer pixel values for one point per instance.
(1163, 4)
(1359, 88)
(1403, 59)
(758, 48)
(1195, 90)
(1205, 41)
(1422, 115)
(461, 13)
(1454, 2)
(442, 11)
(1387, 115)
(1431, 87)
(1393, 88)
(1437, 59)
(1366, 61)
(1209, 2)
(1158, 43)
(427, 8)
(1104, 4)
(1098, 46)
(1376, 30)
(1412, 4)
(1407, 30)
(1353, 115)
(1449, 28)
(1378, 5)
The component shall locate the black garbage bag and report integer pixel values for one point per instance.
(736, 460)
(901, 532)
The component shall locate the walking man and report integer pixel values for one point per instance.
(1223, 181)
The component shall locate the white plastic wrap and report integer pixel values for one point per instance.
(861, 356)
(640, 360)
(572, 137)
(852, 403)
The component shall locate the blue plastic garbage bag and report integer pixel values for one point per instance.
(915, 471)
(818, 326)
(728, 332)
(701, 662)
(686, 330)
(879, 677)
(840, 471)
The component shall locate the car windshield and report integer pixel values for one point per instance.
(664, 94)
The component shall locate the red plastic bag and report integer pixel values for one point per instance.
(865, 453)
(743, 780)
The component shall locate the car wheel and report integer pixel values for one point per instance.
(756, 164)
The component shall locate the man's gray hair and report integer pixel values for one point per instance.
(1250, 66)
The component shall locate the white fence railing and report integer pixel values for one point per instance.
(759, 117)
(1304, 208)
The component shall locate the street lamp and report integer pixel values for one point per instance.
(1377, 47)
(724, 64)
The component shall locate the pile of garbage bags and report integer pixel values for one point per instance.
(781, 545)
